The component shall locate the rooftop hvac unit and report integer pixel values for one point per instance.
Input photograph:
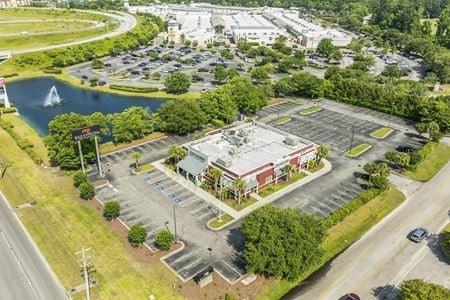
(234, 151)
(224, 162)
(291, 140)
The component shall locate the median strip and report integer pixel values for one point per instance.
(358, 150)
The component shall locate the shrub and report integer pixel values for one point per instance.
(87, 190)
(217, 123)
(133, 89)
(379, 182)
(415, 158)
(24, 143)
(164, 240)
(79, 177)
(8, 110)
(229, 296)
(10, 75)
(52, 71)
(111, 210)
(137, 235)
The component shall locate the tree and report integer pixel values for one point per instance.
(79, 177)
(238, 186)
(443, 28)
(363, 62)
(87, 190)
(432, 127)
(220, 73)
(322, 152)
(177, 82)
(402, 160)
(288, 169)
(379, 182)
(383, 170)
(393, 71)
(325, 47)
(260, 73)
(163, 240)
(227, 54)
(218, 104)
(97, 64)
(176, 153)
(111, 210)
(246, 96)
(133, 123)
(137, 235)
(371, 169)
(282, 242)
(181, 116)
(420, 289)
(285, 65)
(421, 128)
(232, 72)
(136, 156)
(215, 175)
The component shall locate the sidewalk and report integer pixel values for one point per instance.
(261, 201)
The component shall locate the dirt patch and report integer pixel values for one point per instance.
(100, 182)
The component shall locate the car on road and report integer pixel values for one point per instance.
(108, 65)
(102, 83)
(204, 90)
(85, 77)
(418, 234)
(135, 72)
(351, 296)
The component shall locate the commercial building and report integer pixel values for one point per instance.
(254, 152)
(307, 34)
(193, 26)
(13, 3)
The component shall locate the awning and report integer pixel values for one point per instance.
(192, 165)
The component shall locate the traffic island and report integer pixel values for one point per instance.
(142, 169)
(282, 120)
(358, 150)
(219, 223)
(310, 110)
(382, 133)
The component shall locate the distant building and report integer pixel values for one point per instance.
(13, 3)
(254, 152)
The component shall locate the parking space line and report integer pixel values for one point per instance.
(199, 208)
(318, 210)
(231, 267)
(194, 263)
(188, 254)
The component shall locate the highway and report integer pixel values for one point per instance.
(128, 23)
(25, 274)
(374, 266)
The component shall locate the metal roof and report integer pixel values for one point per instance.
(192, 165)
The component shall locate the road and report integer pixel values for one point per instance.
(374, 266)
(129, 22)
(25, 272)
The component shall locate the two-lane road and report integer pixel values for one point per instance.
(24, 272)
(373, 266)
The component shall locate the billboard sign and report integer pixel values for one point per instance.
(86, 132)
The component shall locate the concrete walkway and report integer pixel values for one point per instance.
(261, 201)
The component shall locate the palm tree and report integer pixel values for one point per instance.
(223, 192)
(215, 175)
(238, 185)
(432, 127)
(136, 156)
(383, 170)
(371, 169)
(322, 152)
(288, 169)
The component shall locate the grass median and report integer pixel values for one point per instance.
(216, 223)
(358, 150)
(310, 110)
(61, 224)
(382, 133)
(431, 164)
(342, 235)
(282, 120)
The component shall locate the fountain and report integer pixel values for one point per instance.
(52, 98)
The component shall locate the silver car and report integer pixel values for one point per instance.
(417, 235)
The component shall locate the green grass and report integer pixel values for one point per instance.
(431, 164)
(266, 191)
(444, 240)
(61, 224)
(111, 147)
(282, 120)
(37, 27)
(382, 133)
(310, 110)
(316, 167)
(341, 235)
(144, 168)
(358, 150)
(245, 202)
(226, 218)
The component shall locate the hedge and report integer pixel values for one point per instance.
(8, 110)
(133, 89)
(217, 123)
(418, 156)
(23, 143)
(351, 207)
(9, 75)
(52, 71)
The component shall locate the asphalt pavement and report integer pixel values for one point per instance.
(375, 265)
(25, 274)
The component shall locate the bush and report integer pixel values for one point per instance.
(111, 210)
(202, 70)
(229, 296)
(79, 177)
(351, 206)
(24, 143)
(379, 182)
(133, 89)
(137, 235)
(87, 190)
(420, 289)
(164, 240)
(8, 110)
(217, 123)
(9, 75)
(52, 71)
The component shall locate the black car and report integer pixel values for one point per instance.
(135, 72)
(405, 148)
(85, 77)
(102, 83)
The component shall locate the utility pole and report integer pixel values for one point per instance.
(175, 223)
(351, 140)
(81, 155)
(84, 259)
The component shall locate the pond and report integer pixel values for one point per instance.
(39, 100)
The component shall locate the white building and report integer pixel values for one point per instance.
(13, 3)
(308, 34)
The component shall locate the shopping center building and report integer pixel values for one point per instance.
(254, 152)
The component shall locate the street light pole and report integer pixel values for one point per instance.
(175, 224)
(81, 155)
(351, 140)
(390, 117)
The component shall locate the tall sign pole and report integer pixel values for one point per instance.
(81, 155)
(100, 173)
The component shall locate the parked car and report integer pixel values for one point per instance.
(405, 148)
(351, 296)
(418, 234)
(102, 83)
(85, 77)
(135, 72)
(204, 90)
(107, 65)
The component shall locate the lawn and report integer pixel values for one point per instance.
(61, 224)
(444, 240)
(310, 110)
(316, 167)
(282, 120)
(37, 27)
(266, 191)
(144, 168)
(342, 235)
(358, 150)
(245, 202)
(111, 147)
(226, 218)
(432, 164)
(382, 133)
